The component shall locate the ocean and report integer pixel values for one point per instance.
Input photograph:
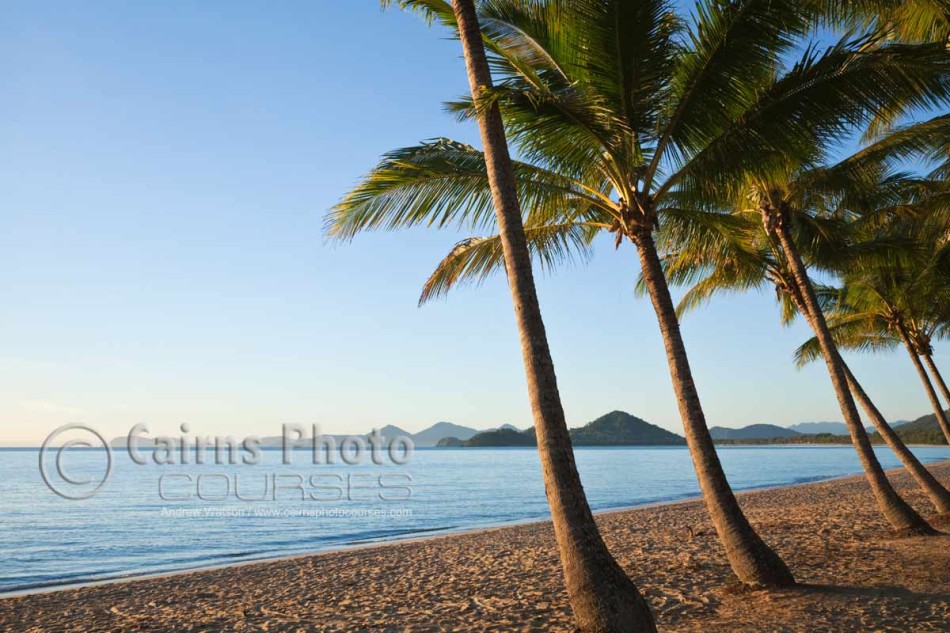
(153, 518)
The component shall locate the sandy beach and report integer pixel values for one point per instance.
(853, 575)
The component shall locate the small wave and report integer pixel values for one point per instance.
(385, 535)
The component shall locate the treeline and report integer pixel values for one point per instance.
(924, 430)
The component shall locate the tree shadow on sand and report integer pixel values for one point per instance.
(857, 607)
(868, 591)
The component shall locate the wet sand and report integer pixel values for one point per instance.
(854, 577)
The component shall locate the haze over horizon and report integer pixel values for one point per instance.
(174, 431)
(164, 193)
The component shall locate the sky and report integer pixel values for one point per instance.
(165, 170)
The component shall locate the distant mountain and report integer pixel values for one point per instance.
(813, 428)
(752, 432)
(502, 437)
(432, 435)
(617, 428)
(423, 439)
(450, 442)
(923, 430)
(390, 431)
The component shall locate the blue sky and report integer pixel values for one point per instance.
(165, 169)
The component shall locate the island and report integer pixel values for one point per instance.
(617, 428)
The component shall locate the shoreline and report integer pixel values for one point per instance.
(420, 536)
(851, 571)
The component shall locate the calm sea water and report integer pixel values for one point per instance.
(128, 529)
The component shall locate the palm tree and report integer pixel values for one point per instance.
(888, 303)
(776, 206)
(929, 142)
(918, 347)
(730, 253)
(603, 597)
(812, 208)
(904, 519)
(845, 332)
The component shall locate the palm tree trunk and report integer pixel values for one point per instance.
(753, 561)
(603, 598)
(901, 516)
(938, 495)
(925, 379)
(934, 490)
(938, 377)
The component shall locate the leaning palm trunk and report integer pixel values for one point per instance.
(903, 519)
(752, 560)
(925, 380)
(929, 359)
(602, 596)
(934, 490)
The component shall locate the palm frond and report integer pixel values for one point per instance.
(444, 183)
(430, 10)
(475, 259)
(730, 55)
(812, 105)
(850, 334)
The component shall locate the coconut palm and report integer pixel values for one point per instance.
(890, 303)
(933, 318)
(861, 317)
(785, 208)
(747, 255)
(739, 257)
(602, 596)
(907, 301)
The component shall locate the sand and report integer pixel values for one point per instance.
(854, 577)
